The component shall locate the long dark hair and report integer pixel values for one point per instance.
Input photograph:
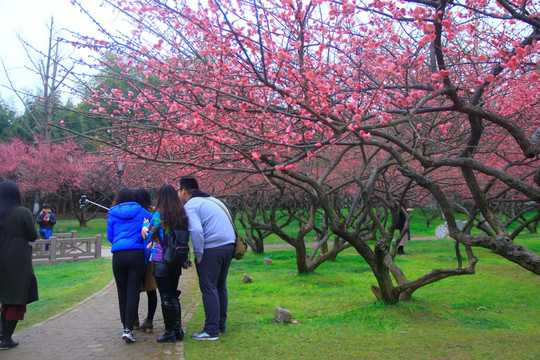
(173, 214)
(143, 198)
(124, 195)
(10, 197)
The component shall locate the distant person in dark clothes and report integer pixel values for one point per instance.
(46, 220)
(402, 220)
(124, 223)
(213, 237)
(18, 284)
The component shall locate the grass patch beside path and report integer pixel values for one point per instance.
(63, 285)
(494, 314)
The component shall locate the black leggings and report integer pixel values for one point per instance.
(128, 269)
(152, 304)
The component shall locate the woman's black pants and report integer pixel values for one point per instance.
(128, 269)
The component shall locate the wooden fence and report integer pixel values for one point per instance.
(65, 247)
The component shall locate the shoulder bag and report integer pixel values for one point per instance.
(240, 244)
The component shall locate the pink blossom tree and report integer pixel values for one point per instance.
(60, 170)
(379, 100)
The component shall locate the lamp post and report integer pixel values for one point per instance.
(120, 168)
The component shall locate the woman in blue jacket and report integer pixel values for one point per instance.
(124, 224)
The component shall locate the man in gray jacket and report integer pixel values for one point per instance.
(212, 235)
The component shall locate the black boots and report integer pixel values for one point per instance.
(167, 307)
(172, 316)
(401, 251)
(8, 327)
(178, 320)
(147, 325)
(168, 337)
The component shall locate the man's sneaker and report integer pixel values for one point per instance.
(128, 336)
(203, 335)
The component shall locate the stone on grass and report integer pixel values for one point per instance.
(282, 315)
(267, 261)
(246, 278)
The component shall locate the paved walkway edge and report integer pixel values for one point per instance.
(189, 307)
(105, 289)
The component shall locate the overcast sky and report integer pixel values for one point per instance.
(30, 19)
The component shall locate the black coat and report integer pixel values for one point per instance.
(401, 220)
(18, 284)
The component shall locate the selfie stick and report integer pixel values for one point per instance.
(91, 202)
(84, 202)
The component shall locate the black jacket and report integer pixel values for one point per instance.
(18, 284)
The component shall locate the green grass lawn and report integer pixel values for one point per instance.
(494, 314)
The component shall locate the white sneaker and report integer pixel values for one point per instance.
(203, 335)
(128, 336)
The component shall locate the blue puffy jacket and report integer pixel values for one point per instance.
(124, 224)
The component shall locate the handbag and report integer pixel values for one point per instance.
(240, 244)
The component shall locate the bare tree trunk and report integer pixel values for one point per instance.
(382, 274)
(47, 65)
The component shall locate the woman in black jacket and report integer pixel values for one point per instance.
(18, 284)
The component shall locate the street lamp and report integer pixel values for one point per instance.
(120, 168)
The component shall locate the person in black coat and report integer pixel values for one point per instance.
(402, 221)
(18, 284)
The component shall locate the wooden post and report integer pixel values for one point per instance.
(52, 248)
(98, 246)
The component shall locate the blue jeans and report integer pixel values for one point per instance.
(46, 234)
(213, 270)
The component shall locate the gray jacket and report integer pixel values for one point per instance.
(209, 224)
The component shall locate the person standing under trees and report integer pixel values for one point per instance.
(402, 221)
(18, 284)
(169, 215)
(149, 283)
(213, 238)
(46, 220)
(124, 223)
